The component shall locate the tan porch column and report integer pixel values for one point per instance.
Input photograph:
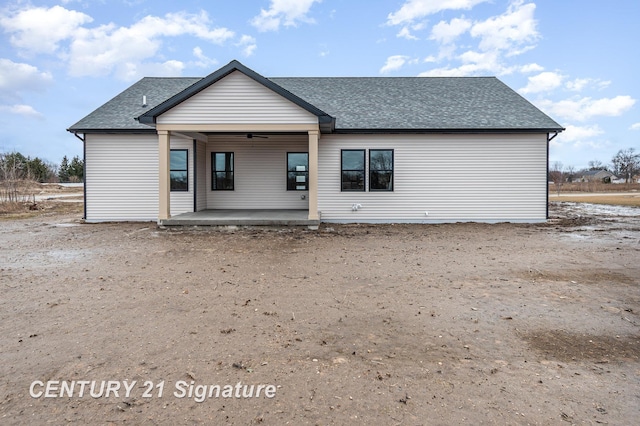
(313, 174)
(164, 207)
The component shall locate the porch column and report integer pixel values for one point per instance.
(164, 198)
(313, 174)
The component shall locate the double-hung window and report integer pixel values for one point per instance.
(297, 171)
(380, 170)
(354, 167)
(222, 171)
(179, 170)
(353, 170)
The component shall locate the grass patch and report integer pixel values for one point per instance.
(616, 200)
(13, 210)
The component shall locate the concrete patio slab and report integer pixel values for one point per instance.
(259, 217)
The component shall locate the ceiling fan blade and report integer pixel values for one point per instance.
(251, 136)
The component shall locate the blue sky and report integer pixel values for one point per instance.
(576, 60)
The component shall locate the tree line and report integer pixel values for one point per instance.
(14, 166)
(625, 165)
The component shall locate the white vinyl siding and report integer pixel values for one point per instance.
(182, 201)
(121, 177)
(201, 172)
(260, 173)
(237, 98)
(485, 178)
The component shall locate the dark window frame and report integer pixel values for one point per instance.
(371, 171)
(363, 170)
(306, 172)
(185, 170)
(214, 171)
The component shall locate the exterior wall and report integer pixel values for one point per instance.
(486, 178)
(201, 172)
(260, 173)
(122, 178)
(237, 99)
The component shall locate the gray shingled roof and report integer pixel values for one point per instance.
(419, 103)
(120, 112)
(360, 104)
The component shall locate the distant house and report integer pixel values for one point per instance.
(362, 149)
(603, 176)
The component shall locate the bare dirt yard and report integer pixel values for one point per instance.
(395, 324)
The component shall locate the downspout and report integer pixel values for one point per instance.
(546, 179)
(84, 173)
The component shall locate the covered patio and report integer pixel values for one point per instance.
(255, 127)
(258, 217)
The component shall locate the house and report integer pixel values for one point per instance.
(602, 176)
(374, 150)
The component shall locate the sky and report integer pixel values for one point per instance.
(576, 60)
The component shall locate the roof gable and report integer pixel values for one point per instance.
(150, 117)
(237, 98)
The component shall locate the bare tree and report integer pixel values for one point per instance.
(556, 174)
(13, 171)
(571, 173)
(597, 165)
(626, 163)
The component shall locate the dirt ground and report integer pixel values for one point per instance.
(395, 324)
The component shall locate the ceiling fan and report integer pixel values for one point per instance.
(246, 136)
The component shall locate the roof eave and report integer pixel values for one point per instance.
(113, 131)
(449, 130)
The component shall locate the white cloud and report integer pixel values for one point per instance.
(513, 32)
(132, 70)
(406, 33)
(635, 126)
(40, 29)
(394, 63)
(447, 32)
(543, 82)
(19, 109)
(499, 37)
(580, 133)
(107, 48)
(248, 45)
(583, 109)
(203, 60)
(16, 78)
(412, 10)
(579, 84)
(283, 12)
(473, 63)
(592, 144)
(529, 68)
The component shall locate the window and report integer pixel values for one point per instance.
(380, 170)
(353, 170)
(222, 171)
(179, 170)
(297, 171)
